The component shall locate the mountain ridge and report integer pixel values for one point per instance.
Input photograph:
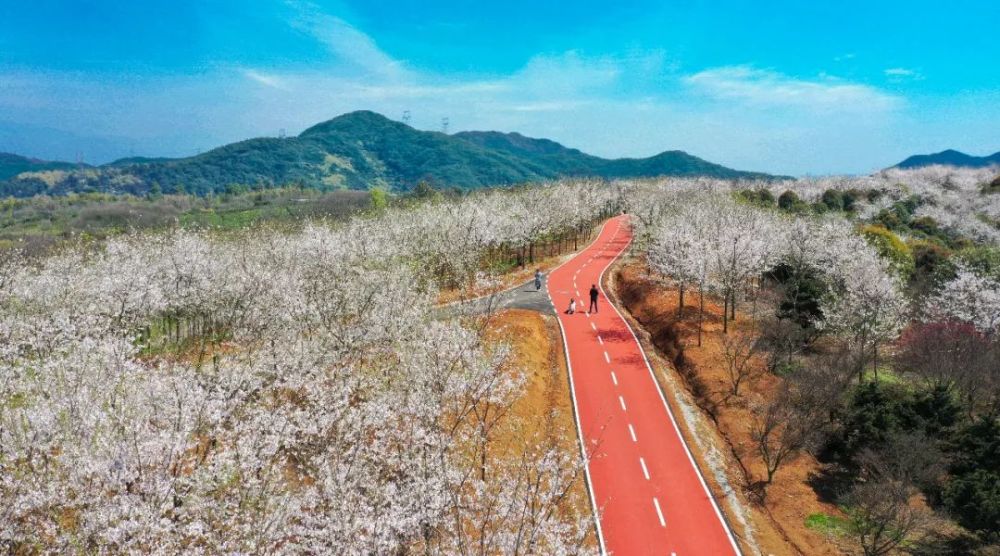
(359, 150)
(13, 164)
(950, 157)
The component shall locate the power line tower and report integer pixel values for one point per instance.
(444, 125)
(406, 117)
(281, 133)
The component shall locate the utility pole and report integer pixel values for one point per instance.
(281, 133)
(444, 125)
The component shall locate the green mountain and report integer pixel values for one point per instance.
(950, 158)
(362, 150)
(138, 160)
(558, 160)
(11, 165)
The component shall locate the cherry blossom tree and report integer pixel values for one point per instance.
(275, 392)
(969, 298)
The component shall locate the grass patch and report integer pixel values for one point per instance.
(827, 524)
(886, 375)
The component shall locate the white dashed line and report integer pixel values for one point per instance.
(645, 472)
(594, 326)
(659, 513)
(621, 400)
(614, 378)
(599, 340)
(631, 431)
(606, 356)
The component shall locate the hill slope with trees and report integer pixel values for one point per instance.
(360, 150)
(11, 165)
(950, 158)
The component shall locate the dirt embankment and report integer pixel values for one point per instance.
(543, 409)
(779, 523)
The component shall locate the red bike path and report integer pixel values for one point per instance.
(643, 481)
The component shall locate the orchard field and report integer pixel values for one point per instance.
(298, 389)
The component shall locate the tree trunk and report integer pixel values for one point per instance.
(680, 303)
(861, 364)
(701, 311)
(725, 313)
(875, 359)
(732, 306)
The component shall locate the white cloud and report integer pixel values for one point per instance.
(769, 88)
(365, 70)
(569, 71)
(347, 43)
(267, 80)
(549, 106)
(903, 74)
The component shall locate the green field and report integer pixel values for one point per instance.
(38, 223)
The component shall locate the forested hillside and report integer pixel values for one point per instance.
(950, 158)
(360, 150)
(11, 165)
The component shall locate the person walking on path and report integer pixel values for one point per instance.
(538, 280)
(593, 299)
(572, 307)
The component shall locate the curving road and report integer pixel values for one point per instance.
(650, 495)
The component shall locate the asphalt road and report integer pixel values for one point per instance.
(643, 480)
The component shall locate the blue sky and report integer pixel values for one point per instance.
(785, 87)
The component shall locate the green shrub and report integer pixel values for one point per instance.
(802, 292)
(833, 199)
(851, 199)
(972, 494)
(984, 260)
(790, 201)
(760, 197)
(927, 225)
(932, 263)
(890, 247)
(993, 186)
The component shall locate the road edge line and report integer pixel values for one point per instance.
(576, 413)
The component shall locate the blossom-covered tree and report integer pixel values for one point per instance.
(276, 392)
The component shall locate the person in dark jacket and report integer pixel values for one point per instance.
(593, 299)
